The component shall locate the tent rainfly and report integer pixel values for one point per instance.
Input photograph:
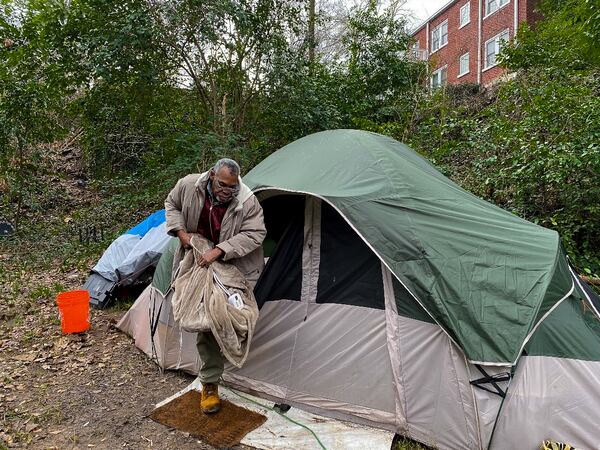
(396, 299)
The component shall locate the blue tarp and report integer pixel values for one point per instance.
(153, 220)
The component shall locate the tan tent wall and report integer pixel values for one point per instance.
(175, 349)
(551, 398)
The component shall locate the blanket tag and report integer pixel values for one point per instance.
(235, 300)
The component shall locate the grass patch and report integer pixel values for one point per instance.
(52, 415)
(45, 291)
(405, 443)
(122, 303)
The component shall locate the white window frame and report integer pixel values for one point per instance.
(460, 58)
(439, 29)
(460, 15)
(498, 8)
(497, 48)
(436, 73)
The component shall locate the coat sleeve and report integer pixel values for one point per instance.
(251, 235)
(173, 208)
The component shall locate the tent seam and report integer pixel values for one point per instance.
(390, 296)
(460, 394)
(556, 305)
(474, 400)
(537, 310)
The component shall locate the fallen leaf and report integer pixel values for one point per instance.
(30, 427)
(6, 438)
(26, 358)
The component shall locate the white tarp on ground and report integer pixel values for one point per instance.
(279, 433)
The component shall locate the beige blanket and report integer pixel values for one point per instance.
(199, 304)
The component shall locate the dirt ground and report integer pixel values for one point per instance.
(80, 391)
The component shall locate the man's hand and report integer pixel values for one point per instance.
(210, 256)
(185, 239)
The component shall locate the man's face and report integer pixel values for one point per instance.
(224, 184)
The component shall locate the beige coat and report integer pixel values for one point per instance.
(242, 230)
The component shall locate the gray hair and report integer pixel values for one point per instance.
(233, 167)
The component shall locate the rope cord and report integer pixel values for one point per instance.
(282, 415)
(215, 277)
(220, 284)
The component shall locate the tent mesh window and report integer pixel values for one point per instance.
(349, 272)
(282, 277)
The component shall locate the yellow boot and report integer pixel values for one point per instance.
(210, 402)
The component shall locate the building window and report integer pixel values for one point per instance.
(463, 62)
(493, 47)
(494, 5)
(439, 36)
(439, 77)
(465, 14)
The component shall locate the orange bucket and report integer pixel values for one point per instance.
(74, 309)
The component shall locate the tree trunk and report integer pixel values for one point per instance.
(311, 33)
(20, 177)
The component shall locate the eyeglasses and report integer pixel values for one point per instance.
(226, 188)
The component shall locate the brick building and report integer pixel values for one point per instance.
(462, 39)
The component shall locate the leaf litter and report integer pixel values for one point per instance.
(88, 390)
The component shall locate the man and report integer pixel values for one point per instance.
(217, 205)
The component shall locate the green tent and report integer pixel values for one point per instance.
(394, 298)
